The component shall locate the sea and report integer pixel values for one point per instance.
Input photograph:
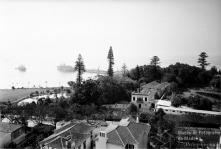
(37, 77)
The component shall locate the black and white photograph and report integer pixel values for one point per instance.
(110, 74)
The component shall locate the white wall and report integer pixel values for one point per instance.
(113, 146)
(5, 138)
(101, 143)
(88, 143)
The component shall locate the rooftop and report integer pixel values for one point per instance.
(127, 134)
(152, 88)
(150, 85)
(164, 103)
(183, 109)
(78, 132)
(8, 128)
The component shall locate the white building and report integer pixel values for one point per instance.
(145, 99)
(167, 108)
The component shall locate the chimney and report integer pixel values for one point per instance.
(137, 119)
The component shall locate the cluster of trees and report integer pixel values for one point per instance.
(80, 67)
(195, 102)
(104, 90)
(54, 110)
(184, 75)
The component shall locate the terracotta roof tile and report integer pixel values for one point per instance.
(114, 138)
(123, 135)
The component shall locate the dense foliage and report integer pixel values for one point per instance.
(195, 102)
(105, 90)
(184, 75)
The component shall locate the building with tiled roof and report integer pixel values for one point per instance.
(126, 135)
(72, 135)
(145, 99)
(11, 133)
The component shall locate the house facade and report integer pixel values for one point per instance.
(72, 136)
(146, 98)
(127, 135)
(11, 133)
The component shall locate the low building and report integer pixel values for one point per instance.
(117, 106)
(167, 108)
(11, 133)
(73, 135)
(145, 99)
(125, 135)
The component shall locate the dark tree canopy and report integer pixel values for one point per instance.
(110, 58)
(105, 90)
(132, 109)
(155, 61)
(80, 68)
(202, 60)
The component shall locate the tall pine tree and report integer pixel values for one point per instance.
(155, 61)
(124, 70)
(80, 68)
(202, 60)
(110, 58)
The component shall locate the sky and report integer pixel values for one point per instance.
(45, 33)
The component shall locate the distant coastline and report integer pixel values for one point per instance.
(69, 69)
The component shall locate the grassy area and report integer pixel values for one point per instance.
(16, 94)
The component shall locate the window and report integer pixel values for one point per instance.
(145, 98)
(133, 98)
(102, 134)
(84, 145)
(129, 146)
(139, 106)
(140, 99)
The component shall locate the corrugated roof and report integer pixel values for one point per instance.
(150, 85)
(8, 127)
(79, 132)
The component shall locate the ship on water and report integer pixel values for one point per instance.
(65, 68)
